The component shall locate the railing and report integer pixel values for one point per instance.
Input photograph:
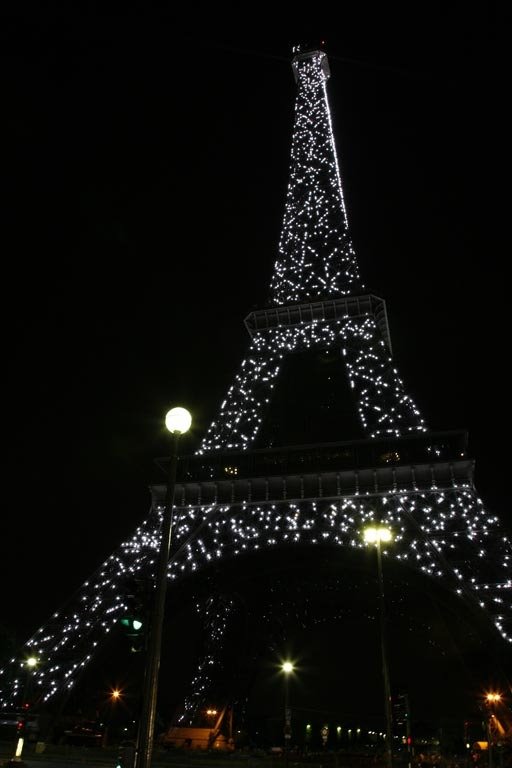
(427, 448)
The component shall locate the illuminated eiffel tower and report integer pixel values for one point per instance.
(315, 439)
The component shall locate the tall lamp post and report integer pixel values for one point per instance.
(287, 668)
(177, 421)
(375, 535)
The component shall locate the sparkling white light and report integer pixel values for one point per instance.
(445, 534)
(316, 257)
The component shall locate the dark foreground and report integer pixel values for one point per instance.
(55, 756)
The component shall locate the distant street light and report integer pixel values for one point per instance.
(287, 668)
(177, 421)
(115, 696)
(30, 663)
(491, 700)
(375, 535)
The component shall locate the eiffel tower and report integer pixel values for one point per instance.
(315, 439)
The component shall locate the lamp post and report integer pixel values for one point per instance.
(491, 699)
(287, 668)
(374, 535)
(114, 696)
(31, 663)
(177, 421)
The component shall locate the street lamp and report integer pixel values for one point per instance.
(287, 668)
(31, 663)
(177, 421)
(374, 535)
(491, 700)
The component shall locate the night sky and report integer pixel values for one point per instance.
(144, 174)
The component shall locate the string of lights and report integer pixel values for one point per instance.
(446, 534)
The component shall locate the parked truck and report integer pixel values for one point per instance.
(218, 737)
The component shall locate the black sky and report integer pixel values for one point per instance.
(144, 173)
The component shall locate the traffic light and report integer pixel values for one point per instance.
(21, 722)
(134, 624)
(136, 612)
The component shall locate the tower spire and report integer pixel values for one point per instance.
(316, 257)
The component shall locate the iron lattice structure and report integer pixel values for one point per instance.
(237, 495)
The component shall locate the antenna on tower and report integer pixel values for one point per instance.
(316, 45)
